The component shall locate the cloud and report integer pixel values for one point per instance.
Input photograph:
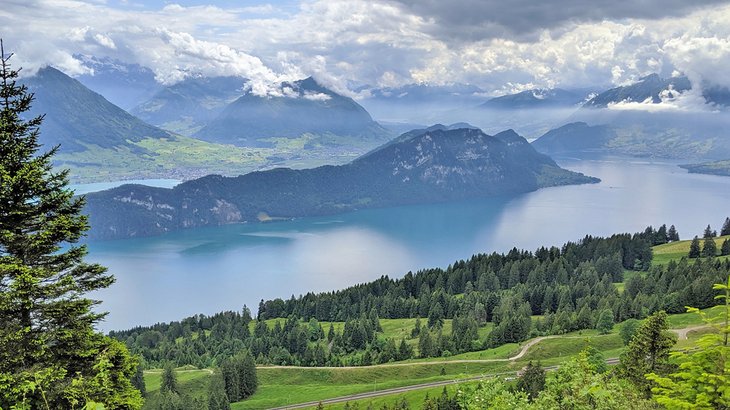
(671, 101)
(525, 19)
(349, 45)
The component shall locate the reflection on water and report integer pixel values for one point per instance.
(222, 268)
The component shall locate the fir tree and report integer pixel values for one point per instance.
(217, 398)
(49, 350)
(725, 228)
(672, 234)
(725, 249)
(709, 233)
(532, 380)
(694, 248)
(604, 324)
(138, 381)
(709, 248)
(648, 351)
(169, 380)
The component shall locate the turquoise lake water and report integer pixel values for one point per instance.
(222, 268)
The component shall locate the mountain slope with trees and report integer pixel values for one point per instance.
(427, 166)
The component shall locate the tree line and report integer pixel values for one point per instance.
(570, 288)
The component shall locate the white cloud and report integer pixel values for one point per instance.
(347, 43)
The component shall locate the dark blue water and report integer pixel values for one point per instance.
(213, 269)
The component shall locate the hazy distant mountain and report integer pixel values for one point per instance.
(646, 89)
(189, 105)
(537, 98)
(574, 137)
(462, 94)
(125, 85)
(307, 108)
(420, 103)
(77, 117)
(424, 166)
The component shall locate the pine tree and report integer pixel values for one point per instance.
(138, 381)
(725, 249)
(672, 234)
(532, 380)
(604, 324)
(709, 248)
(169, 380)
(648, 351)
(709, 233)
(694, 248)
(217, 398)
(50, 354)
(725, 228)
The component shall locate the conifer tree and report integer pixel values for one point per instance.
(709, 233)
(50, 354)
(725, 228)
(648, 351)
(709, 248)
(672, 234)
(694, 248)
(532, 380)
(217, 398)
(725, 249)
(604, 324)
(169, 380)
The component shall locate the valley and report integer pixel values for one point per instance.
(286, 385)
(364, 205)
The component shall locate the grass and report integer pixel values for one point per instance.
(184, 158)
(414, 398)
(667, 252)
(552, 351)
(281, 386)
(194, 382)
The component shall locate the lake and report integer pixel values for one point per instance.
(222, 268)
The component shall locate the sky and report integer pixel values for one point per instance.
(499, 46)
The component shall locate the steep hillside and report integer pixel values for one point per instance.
(307, 108)
(187, 106)
(77, 117)
(428, 166)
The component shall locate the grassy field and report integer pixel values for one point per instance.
(192, 381)
(282, 386)
(186, 158)
(676, 250)
(279, 387)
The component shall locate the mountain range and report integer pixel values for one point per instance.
(538, 98)
(78, 118)
(430, 165)
(306, 108)
(190, 104)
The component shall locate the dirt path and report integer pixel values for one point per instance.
(682, 333)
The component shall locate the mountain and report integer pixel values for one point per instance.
(537, 98)
(419, 103)
(647, 89)
(187, 106)
(307, 107)
(123, 84)
(425, 166)
(77, 117)
(576, 136)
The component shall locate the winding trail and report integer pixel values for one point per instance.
(681, 334)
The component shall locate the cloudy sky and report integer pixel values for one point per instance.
(499, 46)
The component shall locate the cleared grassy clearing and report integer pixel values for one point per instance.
(281, 386)
(676, 250)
